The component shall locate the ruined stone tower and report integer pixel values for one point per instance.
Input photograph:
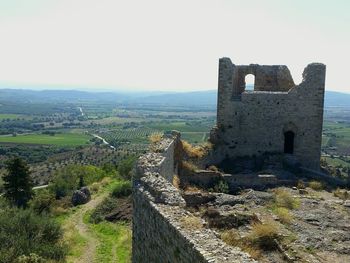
(276, 117)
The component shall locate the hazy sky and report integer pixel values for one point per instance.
(168, 45)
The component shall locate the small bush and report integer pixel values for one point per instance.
(65, 202)
(196, 152)
(23, 232)
(220, 187)
(342, 194)
(191, 222)
(284, 215)
(70, 178)
(42, 201)
(122, 189)
(155, 137)
(284, 199)
(264, 235)
(317, 186)
(125, 167)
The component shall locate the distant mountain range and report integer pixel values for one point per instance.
(194, 98)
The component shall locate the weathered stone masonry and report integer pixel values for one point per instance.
(277, 117)
(158, 236)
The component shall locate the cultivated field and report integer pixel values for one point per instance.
(63, 139)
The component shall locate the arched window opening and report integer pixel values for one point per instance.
(249, 82)
(289, 142)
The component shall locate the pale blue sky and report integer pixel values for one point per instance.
(167, 45)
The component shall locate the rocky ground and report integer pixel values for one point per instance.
(314, 226)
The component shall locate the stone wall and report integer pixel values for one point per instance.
(208, 179)
(158, 208)
(255, 122)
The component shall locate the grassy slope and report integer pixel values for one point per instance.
(114, 239)
(64, 139)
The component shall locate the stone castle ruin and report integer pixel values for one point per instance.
(276, 117)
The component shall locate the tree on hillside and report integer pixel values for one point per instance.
(125, 167)
(17, 182)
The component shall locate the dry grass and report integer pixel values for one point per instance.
(264, 235)
(284, 199)
(254, 252)
(284, 215)
(189, 166)
(197, 152)
(342, 194)
(317, 186)
(192, 189)
(155, 137)
(191, 222)
(176, 181)
(232, 238)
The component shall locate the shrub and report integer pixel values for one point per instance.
(317, 186)
(155, 137)
(191, 222)
(70, 178)
(65, 202)
(42, 201)
(264, 235)
(23, 232)
(284, 199)
(220, 187)
(122, 189)
(125, 167)
(194, 151)
(284, 215)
